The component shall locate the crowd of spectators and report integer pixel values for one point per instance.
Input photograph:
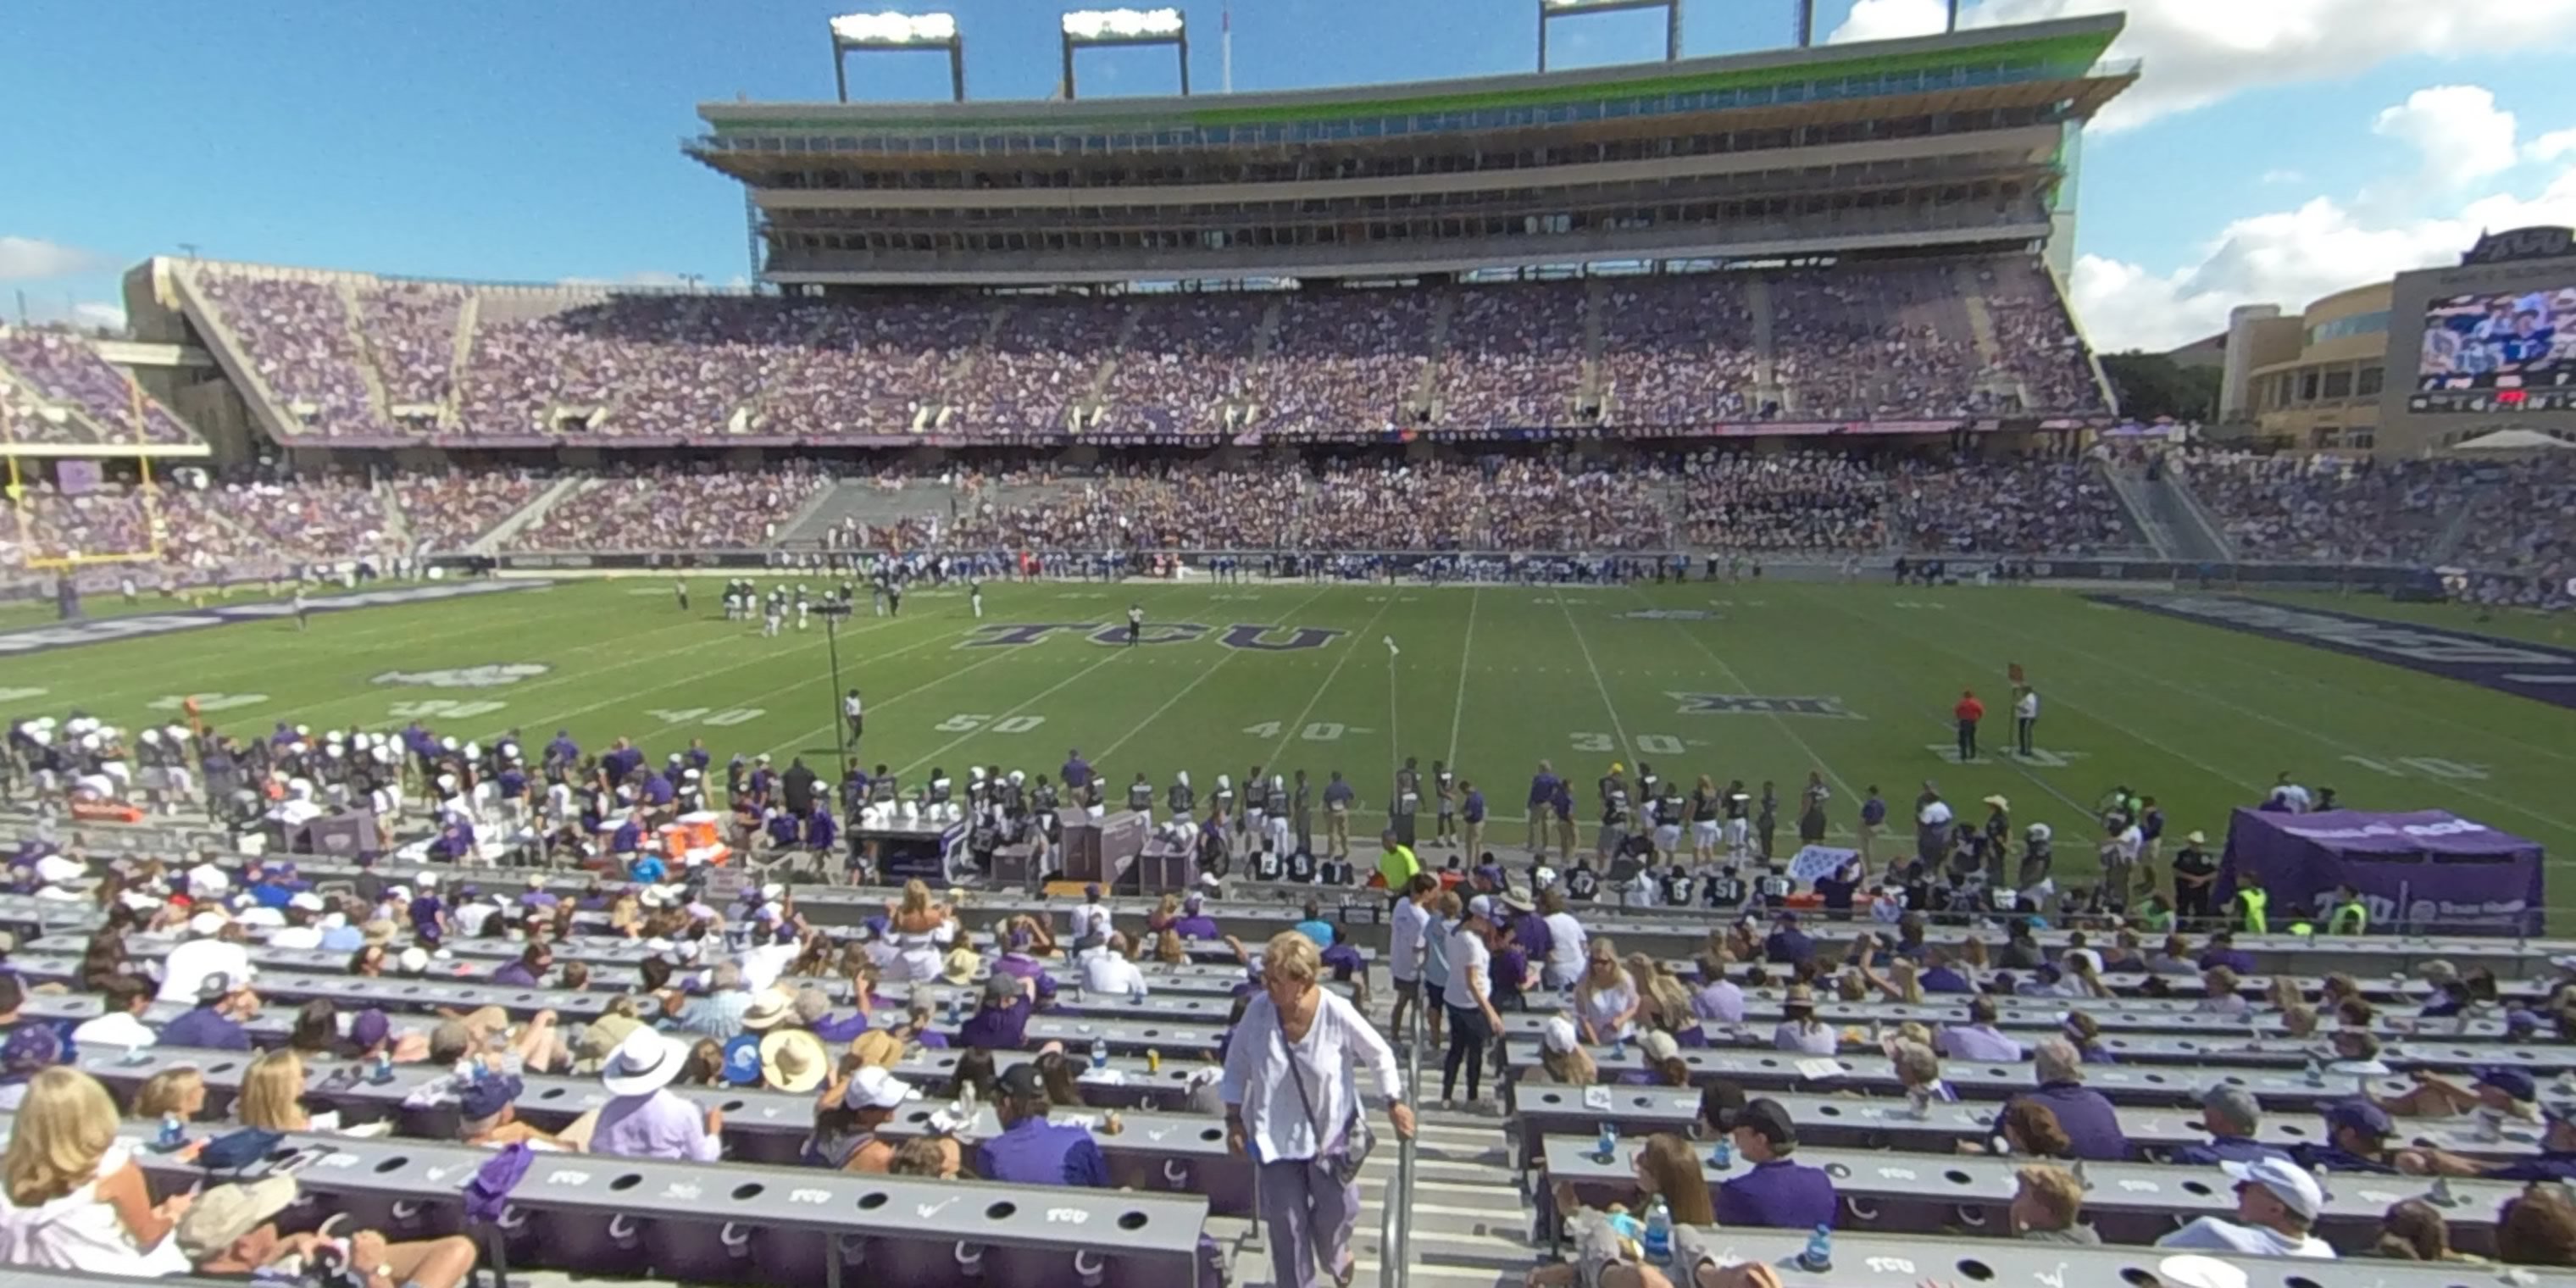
(2330, 509)
(661, 509)
(302, 346)
(1678, 353)
(2031, 507)
(1514, 357)
(1796, 501)
(447, 511)
(67, 370)
(1845, 342)
(1491, 504)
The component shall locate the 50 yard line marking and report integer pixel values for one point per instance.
(1618, 727)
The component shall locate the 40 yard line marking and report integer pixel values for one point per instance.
(1289, 730)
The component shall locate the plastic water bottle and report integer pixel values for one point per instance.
(1722, 1156)
(1819, 1255)
(1609, 1143)
(1659, 1232)
(954, 1007)
(174, 1131)
(1136, 992)
(2316, 1073)
(1099, 1054)
(384, 1066)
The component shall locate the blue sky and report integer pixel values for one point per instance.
(538, 141)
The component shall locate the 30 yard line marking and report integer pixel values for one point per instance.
(1616, 726)
(1778, 721)
(1174, 700)
(1458, 711)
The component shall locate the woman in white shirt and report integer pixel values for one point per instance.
(1799, 1029)
(71, 1198)
(1292, 1098)
(1566, 941)
(1605, 999)
(1473, 1022)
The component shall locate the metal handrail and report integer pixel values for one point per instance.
(1395, 1224)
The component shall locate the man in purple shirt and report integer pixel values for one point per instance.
(2092, 1125)
(1944, 975)
(528, 970)
(646, 1119)
(1978, 1039)
(1016, 962)
(1788, 945)
(2223, 951)
(1031, 1150)
(1194, 923)
(1542, 793)
(1002, 1022)
(213, 1025)
(1776, 1192)
(1077, 776)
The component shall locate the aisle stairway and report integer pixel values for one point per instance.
(534, 510)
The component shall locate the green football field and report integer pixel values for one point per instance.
(1855, 680)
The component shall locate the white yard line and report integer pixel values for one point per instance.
(1174, 700)
(1617, 726)
(1288, 732)
(1016, 709)
(1458, 712)
(695, 677)
(1778, 721)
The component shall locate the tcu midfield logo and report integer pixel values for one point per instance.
(1257, 638)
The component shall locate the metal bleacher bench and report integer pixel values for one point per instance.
(1540, 1111)
(618, 1217)
(2127, 1203)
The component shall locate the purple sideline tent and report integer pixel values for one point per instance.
(2422, 870)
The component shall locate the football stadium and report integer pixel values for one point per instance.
(1561, 678)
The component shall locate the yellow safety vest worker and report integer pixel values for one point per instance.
(2354, 913)
(2253, 899)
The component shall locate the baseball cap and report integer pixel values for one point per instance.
(221, 1216)
(1557, 1034)
(2361, 1116)
(488, 1095)
(742, 1060)
(1022, 1082)
(221, 984)
(1659, 1045)
(875, 1087)
(1481, 906)
(2287, 1181)
(2512, 1082)
(1768, 1119)
(369, 1028)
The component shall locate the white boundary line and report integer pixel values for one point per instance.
(1458, 710)
(881, 703)
(1627, 752)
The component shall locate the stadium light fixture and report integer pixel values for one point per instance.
(1087, 28)
(1549, 10)
(883, 32)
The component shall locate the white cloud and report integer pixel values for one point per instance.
(2550, 146)
(24, 259)
(2290, 258)
(104, 314)
(2284, 176)
(2197, 52)
(2457, 132)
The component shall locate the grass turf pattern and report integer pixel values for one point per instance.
(1491, 679)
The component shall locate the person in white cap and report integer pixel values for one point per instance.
(207, 952)
(2276, 1205)
(303, 916)
(845, 1130)
(1473, 1021)
(646, 1119)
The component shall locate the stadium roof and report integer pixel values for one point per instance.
(2074, 44)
